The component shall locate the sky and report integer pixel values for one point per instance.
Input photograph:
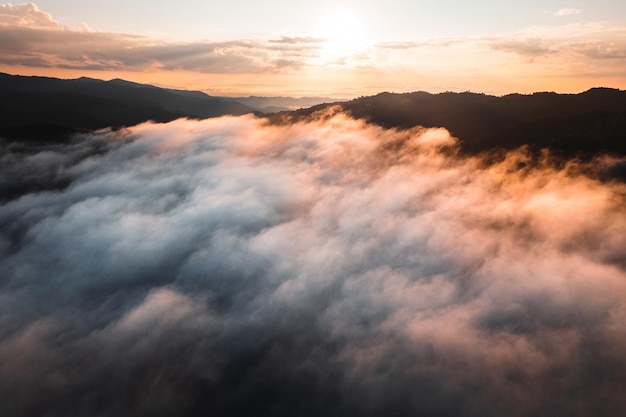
(323, 48)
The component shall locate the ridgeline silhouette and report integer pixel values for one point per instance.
(581, 125)
(43, 109)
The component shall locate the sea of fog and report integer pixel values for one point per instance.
(233, 267)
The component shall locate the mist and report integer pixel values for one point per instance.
(327, 267)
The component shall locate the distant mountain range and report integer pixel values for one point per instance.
(277, 104)
(31, 107)
(40, 108)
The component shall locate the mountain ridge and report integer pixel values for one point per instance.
(572, 124)
(86, 104)
(582, 124)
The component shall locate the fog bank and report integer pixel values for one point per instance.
(231, 267)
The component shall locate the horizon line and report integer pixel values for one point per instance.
(329, 95)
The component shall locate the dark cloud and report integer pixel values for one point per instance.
(230, 267)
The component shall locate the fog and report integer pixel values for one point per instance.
(234, 267)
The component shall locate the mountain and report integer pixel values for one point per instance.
(569, 124)
(41, 107)
(580, 125)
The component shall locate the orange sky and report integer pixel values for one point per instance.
(341, 59)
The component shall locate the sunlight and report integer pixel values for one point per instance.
(342, 30)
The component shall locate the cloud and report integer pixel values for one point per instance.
(525, 47)
(578, 45)
(566, 58)
(298, 39)
(33, 38)
(26, 15)
(329, 267)
(567, 12)
(442, 42)
(601, 50)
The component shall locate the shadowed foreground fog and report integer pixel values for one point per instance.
(324, 268)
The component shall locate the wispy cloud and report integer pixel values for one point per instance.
(527, 47)
(439, 42)
(567, 12)
(298, 40)
(581, 43)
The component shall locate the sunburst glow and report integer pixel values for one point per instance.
(344, 35)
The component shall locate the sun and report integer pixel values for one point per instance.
(343, 34)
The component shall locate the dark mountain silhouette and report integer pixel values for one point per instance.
(582, 124)
(50, 108)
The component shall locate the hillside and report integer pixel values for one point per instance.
(572, 124)
(582, 125)
(41, 107)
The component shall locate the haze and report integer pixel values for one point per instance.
(343, 49)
